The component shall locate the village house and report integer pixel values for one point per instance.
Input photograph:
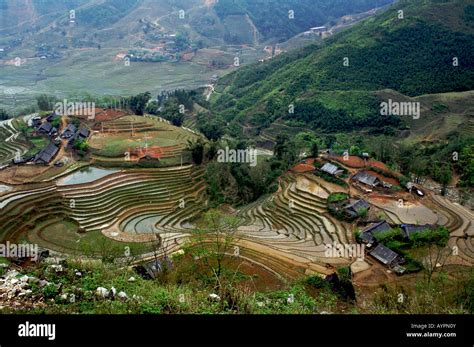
(69, 131)
(35, 122)
(384, 255)
(83, 133)
(388, 258)
(331, 169)
(367, 179)
(354, 208)
(47, 129)
(46, 155)
(51, 117)
(80, 135)
(410, 229)
(367, 235)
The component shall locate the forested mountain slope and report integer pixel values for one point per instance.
(416, 48)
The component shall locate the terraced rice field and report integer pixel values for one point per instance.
(129, 202)
(133, 134)
(11, 144)
(295, 221)
(436, 209)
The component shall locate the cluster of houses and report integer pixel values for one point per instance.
(367, 181)
(383, 254)
(46, 128)
(72, 134)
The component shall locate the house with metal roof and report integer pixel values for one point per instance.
(46, 155)
(83, 133)
(367, 235)
(45, 128)
(331, 169)
(384, 255)
(366, 178)
(410, 229)
(69, 131)
(355, 207)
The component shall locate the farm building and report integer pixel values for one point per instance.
(383, 254)
(46, 155)
(80, 135)
(83, 133)
(354, 208)
(45, 128)
(410, 229)
(52, 117)
(69, 131)
(331, 169)
(366, 178)
(367, 235)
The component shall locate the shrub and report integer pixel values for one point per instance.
(50, 291)
(337, 197)
(317, 282)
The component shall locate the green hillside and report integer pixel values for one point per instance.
(272, 17)
(413, 56)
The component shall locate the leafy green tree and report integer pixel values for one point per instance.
(139, 102)
(46, 102)
(212, 128)
(4, 115)
(466, 161)
(315, 149)
(197, 150)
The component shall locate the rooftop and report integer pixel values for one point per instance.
(383, 254)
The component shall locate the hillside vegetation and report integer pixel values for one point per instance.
(413, 55)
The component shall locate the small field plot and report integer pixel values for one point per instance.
(139, 134)
(63, 236)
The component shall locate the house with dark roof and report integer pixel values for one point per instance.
(45, 128)
(36, 122)
(355, 207)
(80, 135)
(367, 235)
(69, 131)
(410, 229)
(366, 178)
(331, 169)
(52, 117)
(384, 255)
(83, 133)
(46, 155)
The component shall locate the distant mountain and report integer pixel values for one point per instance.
(415, 48)
(279, 20)
(112, 22)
